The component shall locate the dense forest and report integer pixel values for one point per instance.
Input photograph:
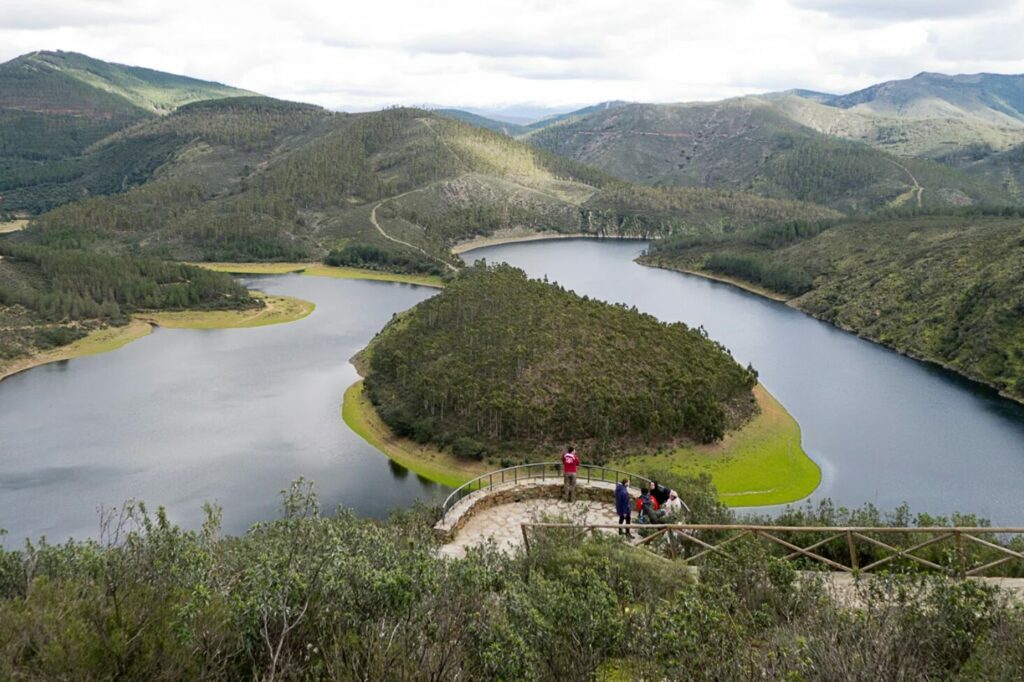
(310, 597)
(50, 297)
(947, 288)
(504, 361)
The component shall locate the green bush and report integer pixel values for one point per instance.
(464, 446)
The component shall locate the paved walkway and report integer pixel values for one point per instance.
(502, 523)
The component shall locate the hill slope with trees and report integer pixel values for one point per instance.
(949, 289)
(55, 105)
(51, 297)
(498, 361)
(251, 178)
(762, 146)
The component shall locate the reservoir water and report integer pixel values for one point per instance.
(183, 417)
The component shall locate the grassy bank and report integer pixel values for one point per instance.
(13, 225)
(428, 462)
(321, 270)
(278, 310)
(763, 463)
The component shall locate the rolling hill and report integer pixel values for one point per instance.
(991, 98)
(756, 145)
(252, 178)
(55, 105)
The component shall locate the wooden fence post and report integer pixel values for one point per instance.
(854, 564)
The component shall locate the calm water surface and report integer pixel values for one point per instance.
(884, 428)
(186, 416)
(232, 416)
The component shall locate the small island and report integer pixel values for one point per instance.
(499, 369)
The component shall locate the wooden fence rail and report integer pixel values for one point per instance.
(957, 551)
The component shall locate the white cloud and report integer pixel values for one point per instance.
(546, 52)
(871, 10)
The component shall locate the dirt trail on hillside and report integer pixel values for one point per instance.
(917, 188)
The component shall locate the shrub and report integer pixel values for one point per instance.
(466, 447)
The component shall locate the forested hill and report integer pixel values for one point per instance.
(50, 297)
(54, 105)
(500, 361)
(766, 147)
(944, 288)
(251, 178)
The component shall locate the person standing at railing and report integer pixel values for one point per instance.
(622, 507)
(570, 465)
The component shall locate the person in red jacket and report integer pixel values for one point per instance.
(570, 465)
(647, 508)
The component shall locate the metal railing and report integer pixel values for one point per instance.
(963, 551)
(588, 473)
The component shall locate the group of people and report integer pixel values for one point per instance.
(655, 504)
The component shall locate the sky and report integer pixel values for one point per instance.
(544, 54)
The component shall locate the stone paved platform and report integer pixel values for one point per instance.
(501, 523)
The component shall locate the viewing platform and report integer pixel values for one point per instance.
(495, 506)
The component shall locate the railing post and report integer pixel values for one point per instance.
(853, 551)
(526, 537)
(961, 556)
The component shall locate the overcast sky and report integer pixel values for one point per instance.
(491, 53)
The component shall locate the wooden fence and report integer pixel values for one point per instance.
(956, 551)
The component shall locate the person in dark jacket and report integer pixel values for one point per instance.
(660, 493)
(622, 507)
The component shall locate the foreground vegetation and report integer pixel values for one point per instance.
(501, 362)
(313, 597)
(945, 288)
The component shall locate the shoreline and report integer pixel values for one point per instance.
(279, 310)
(792, 303)
(761, 464)
(427, 462)
(531, 236)
(724, 279)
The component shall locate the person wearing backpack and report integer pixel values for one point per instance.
(647, 507)
(622, 507)
(570, 465)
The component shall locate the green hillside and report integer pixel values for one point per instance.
(403, 180)
(988, 97)
(54, 106)
(932, 138)
(944, 288)
(507, 362)
(756, 145)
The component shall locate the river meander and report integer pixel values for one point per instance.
(231, 416)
